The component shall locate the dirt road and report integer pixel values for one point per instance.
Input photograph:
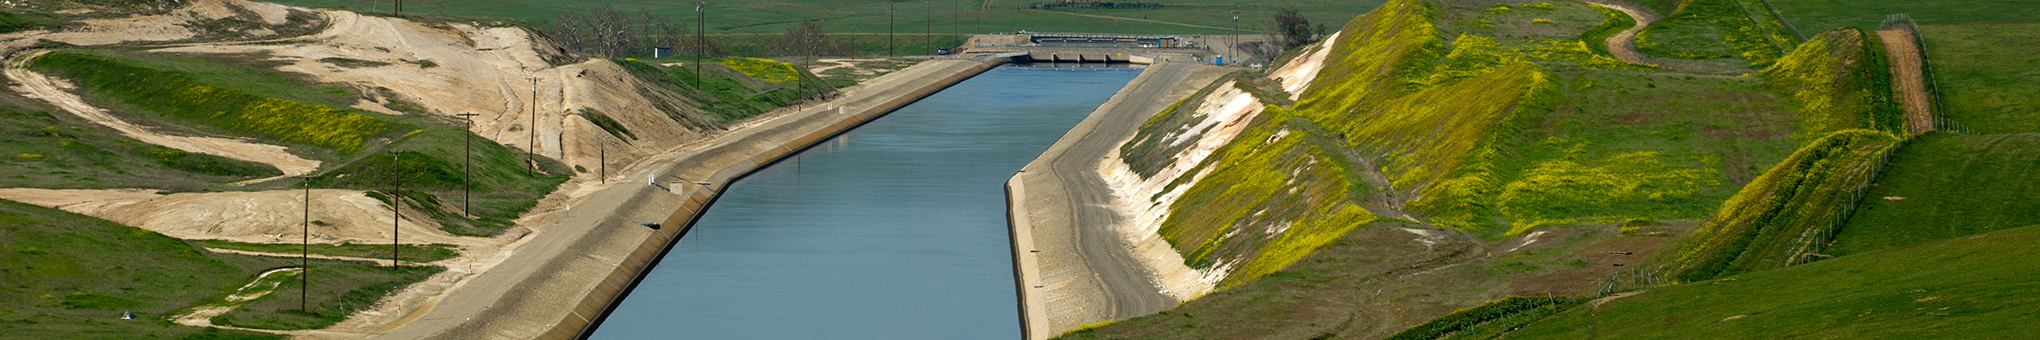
(1623, 44)
(36, 85)
(1088, 273)
(1908, 78)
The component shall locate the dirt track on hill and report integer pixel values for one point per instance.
(1623, 45)
(1908, 78)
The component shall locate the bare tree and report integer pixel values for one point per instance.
(808, 40)
(605, 31)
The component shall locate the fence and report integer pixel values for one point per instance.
(1781, 21)
(1927, 70)
(1858, 184)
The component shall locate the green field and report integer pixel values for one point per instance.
(1986, 74)
(1822, 15)
(1948, 185)
(870, 16)
(70, 276)
(1977, 287)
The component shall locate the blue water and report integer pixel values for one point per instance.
(895, 230)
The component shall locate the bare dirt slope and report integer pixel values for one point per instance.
(1908, 78)
(472, 67)
(256, 217)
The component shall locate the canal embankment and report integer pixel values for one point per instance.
(1071, 268)
(579, 262)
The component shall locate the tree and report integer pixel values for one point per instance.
(808, 40)
(1292, 30)
(605, 31)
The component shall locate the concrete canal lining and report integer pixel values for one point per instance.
(1058, 204)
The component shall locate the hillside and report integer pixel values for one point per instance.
(1479, 119)
(186, 119)
(1966, 287)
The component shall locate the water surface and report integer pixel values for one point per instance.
(895, 230)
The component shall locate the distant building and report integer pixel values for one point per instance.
(662, 51)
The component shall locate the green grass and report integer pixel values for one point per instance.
(1490, 319)
(1359, 286)
(1944, 186)
(182, 98)
(342, 288)
(1782, 216)
(1985, 72)
(870, 16)
(1822, 15)
(867, 45)
(23, 21)
(60, 151)
(410, 253)
(607, 124)
(1971, 288)
(727, 93)
(70, 276)
(1843, 81)
(1717, 29)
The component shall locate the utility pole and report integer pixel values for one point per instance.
(955, 18)
(305, 278)
(853, 40)
(468, 156)
(927, 25)
(531, 144)
(1235, 32)
(890, 50)
(396, 203)
(700, 41)
(398, 9)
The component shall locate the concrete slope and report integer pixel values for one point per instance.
(578, 262)
(1087, 271)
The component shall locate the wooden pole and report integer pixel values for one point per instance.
(305, 278)
(396, 204)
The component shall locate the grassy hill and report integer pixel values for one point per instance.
(71, 276)
(1946, 186)
(870, 16)
(60, 151)
(1822, 15)
(1743, 30)
(1975, 287)
(1979, 69)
